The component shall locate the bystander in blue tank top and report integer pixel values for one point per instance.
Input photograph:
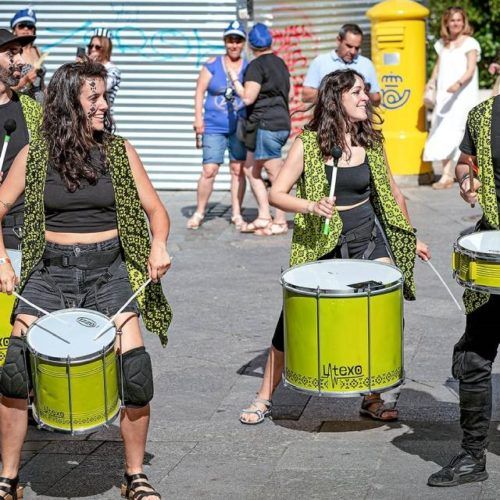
(221, 114)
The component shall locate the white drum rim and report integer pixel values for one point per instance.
(310, 292)
(476, 253)
(76, 360)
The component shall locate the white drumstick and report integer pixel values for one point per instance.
(444, 284)
(326, 224)
(20, 297)
(110, 321)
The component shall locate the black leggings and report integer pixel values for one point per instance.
(352, 220)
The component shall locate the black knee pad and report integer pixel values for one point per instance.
(15, 378)
(471, 368)
(137, 380)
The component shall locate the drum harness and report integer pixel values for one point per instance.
(110, 258)
(359, 233)
(15, 223)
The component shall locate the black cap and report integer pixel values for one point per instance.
(7, 38)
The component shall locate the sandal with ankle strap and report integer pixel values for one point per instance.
(261, 414)
(10, 489)
(194, 222)
(380, 412)
(137, 487)
(258, 223)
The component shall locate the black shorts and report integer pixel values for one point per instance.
(55, 287)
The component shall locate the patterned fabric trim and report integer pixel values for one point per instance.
(132, 227)
(479, 124)
(33, 114)
(308, 241)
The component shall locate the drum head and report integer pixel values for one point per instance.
(71, 333)
(342, 276)
(484, 242)
(15, 259)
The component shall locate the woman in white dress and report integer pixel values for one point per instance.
(455, 78)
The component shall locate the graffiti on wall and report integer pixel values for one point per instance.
(287, 45)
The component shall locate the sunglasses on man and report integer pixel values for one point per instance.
(29, 26)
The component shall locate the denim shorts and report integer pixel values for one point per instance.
(54, 286)
(269, 143)
(215, 145)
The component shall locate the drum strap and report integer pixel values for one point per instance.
(356, 234)
(83, 261)
(15, 220)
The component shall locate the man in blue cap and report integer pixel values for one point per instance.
(345, 56)
(24, 112)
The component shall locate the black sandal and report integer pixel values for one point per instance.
(10, 489)
(134, 485)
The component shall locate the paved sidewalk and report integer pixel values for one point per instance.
(226, 297)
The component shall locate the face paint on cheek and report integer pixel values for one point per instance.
(92, 111)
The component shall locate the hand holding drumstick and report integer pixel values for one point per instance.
(469, 184)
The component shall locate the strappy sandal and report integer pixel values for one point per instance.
(10, 489)
(279, 228)
(137, 487)
(238, 221)
(258, 223)
(379, 412)
(194, 222)
(261, 414)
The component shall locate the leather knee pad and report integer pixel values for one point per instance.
(471, 368)
(15, 378)
(137, 374)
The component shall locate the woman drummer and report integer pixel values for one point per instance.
(85, 244)
(367, 212)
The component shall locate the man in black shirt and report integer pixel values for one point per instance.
(20, 109)
(475, 352)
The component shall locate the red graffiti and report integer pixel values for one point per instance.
(287, 45)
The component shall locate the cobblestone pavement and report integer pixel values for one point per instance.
(225, 292)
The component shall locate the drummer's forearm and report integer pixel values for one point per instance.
(289, 203)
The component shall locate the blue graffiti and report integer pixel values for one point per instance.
(392, 96)
(162, 45)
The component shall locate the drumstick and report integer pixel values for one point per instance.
(336, 154)
(20, 297)
(110, 321)
(471, 180)
(444, 284)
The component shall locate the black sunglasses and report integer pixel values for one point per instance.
(23, 26)
(91, 46)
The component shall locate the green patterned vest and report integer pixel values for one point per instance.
(308, 241)
(132, 228)
(33, 113)
(479, 124)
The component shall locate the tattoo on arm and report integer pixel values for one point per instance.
(6, 204)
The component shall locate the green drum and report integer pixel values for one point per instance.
(476, 261)
(6, 305)
(74, 371)
(343, 324)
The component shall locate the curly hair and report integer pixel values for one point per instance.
(67, 129)
(332, 123)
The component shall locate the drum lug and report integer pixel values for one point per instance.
(473, 271)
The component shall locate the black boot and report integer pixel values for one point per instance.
(464, 468)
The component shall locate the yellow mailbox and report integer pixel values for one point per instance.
(398, 52)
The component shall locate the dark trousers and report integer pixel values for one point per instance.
(473, 357)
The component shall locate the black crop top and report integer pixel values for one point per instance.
(352, 185)
(90, 209)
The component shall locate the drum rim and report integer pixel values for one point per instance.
(476, 288)
(42, 425)
(76, 360)
(475, 253)
(384, 288)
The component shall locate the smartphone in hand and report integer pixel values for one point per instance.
(80, 52)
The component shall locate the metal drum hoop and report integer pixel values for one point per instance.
(474, 254)
(77, 360)
(313, 292)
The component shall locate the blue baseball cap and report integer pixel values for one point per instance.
(260, 37)
(23, 16)
(235, 28)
